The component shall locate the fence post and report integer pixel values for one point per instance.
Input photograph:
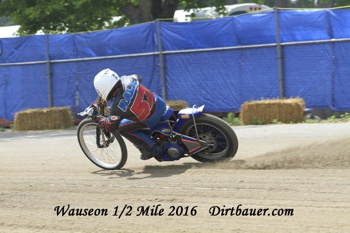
(279, 54)
(49, 78)
(161, 60)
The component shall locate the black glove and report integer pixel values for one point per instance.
(109, 124)
(104, 123)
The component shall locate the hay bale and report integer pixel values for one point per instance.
(269, 111)
(41, 119)
(177, 105)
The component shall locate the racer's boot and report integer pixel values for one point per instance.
(153, 152)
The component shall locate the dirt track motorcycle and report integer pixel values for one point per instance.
(187, 133)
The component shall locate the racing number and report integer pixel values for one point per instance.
(143, 103)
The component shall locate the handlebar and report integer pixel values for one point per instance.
(90, 112)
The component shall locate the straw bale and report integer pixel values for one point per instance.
(268, 111)
(177, 105)
(41, 119)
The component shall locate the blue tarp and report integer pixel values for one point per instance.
(304, 25)
(202, 62)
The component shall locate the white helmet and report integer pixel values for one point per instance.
(105, 82)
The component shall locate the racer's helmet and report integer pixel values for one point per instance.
(106, 82)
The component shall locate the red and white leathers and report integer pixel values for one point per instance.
(134, 110)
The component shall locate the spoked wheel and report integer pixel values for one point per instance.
(105, 150)
(222, 140)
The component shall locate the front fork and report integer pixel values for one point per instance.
(103, 139)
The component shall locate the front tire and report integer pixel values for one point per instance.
(111, 157)
(215, 131)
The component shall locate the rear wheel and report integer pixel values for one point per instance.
(107, 151)
(216, 132)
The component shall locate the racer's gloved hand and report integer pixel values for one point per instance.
(109, 124)
(103, 123)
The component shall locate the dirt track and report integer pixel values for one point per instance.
(301, 168)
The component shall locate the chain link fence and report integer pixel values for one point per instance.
(222, 78)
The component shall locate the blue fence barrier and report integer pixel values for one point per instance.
(220, 63)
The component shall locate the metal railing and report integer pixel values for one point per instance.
(162, 54)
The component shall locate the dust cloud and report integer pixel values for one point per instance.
(323, 155)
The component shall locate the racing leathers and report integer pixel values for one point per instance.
(134, 110)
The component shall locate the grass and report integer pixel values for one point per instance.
(4, 129)
(232, 119)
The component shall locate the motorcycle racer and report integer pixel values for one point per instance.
(134, 109)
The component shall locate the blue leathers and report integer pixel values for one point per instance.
(134, 110)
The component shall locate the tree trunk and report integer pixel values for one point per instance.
(146, 10)
(281, 3)
(132, 12)
(149, 10)
(169, 8)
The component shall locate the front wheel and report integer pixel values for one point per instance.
(106, 150)
(216, 132)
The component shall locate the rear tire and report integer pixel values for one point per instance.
(215, 131)
(112, 157)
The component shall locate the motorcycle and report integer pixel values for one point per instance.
(187, 133)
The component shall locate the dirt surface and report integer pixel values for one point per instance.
(301, 170)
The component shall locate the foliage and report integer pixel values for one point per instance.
(5, 21)
(345, 117)
(196, 4)
(276, 122)
(61, 15)
(258, 122)
(231, 119)
(89, 15)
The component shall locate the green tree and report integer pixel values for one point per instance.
(140, 11)
(60, 15)
(90, 15)
(337, 3)
(4, 21)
